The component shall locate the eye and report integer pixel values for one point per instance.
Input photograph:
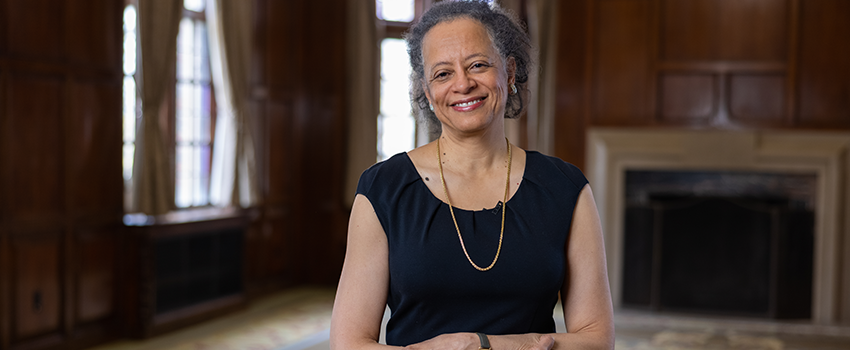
(441, 75)
(479, 65)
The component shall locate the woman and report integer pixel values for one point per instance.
(456, 276)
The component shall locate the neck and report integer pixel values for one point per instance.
(474, 154)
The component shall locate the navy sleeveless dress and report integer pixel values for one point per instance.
(432, 287)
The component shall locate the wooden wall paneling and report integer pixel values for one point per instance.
(4, 30)
(325, 156)
(94, 277)
(37, 285)
(35, 28)
(316, 90)
(5, 289)
(34, 134)
(686, 98)
(654, 59)
(279, 155)
(272, 89)
(284, 53)
(824, 74)
(268, 247)
(94, 132)
(572, 84)
(710, 30)
(280, 250)
(621, 62)
(791, 63)
(752, 30)
(259, 47)
(686, 30)
(5, 201)
(93, 40)
(757, 99)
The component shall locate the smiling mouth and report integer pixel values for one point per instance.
(469, 103)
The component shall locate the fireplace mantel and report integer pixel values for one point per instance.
(611, 152)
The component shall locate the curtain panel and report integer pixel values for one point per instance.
(153, 190)
(543, 29)
(233, 181)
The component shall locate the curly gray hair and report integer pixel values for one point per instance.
(505, 31)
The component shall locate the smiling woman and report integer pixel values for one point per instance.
(467, 83)
(454, 275)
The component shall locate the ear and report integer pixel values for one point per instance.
(427, 91)
(510, 68)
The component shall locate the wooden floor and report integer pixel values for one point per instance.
(299, 319)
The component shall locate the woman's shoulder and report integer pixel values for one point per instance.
(396, 170)
(549, 169)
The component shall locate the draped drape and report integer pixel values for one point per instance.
(153, 190)
(543, 28)
(234, 178)
(363, 84)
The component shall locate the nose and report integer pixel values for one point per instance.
(463, 83)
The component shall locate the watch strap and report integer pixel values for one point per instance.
(485, 343)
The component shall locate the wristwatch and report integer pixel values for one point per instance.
(485, 343)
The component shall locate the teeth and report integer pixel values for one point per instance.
(467, 104)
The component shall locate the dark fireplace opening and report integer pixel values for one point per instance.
(719, 242)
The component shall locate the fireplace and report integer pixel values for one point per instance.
(807, 175)
(719, 242)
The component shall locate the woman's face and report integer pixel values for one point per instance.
(465, 79)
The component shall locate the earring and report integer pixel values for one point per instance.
(431, 107)
(513, 89)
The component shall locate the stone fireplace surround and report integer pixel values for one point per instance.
(613, 151)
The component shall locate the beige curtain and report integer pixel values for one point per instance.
(153, 191)
(363, 84)
(513, 127)
(234, 178)
(543, 27)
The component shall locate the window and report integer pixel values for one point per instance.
(397, 127)
(192, 112)
(130, 98)
(194, 109)
(395, 10)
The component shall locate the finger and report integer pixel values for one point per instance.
(546, 342)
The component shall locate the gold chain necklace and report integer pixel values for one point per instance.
(504, 207)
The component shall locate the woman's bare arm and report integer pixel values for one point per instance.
(362, 293)
(585, 296)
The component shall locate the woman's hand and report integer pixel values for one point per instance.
(469, 341)
(451, 341)
(529, 341)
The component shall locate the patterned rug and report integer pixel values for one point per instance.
(288, 326)
(681, 340)
(297, 317)
(269, 324)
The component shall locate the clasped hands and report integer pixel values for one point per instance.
(469, 341)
